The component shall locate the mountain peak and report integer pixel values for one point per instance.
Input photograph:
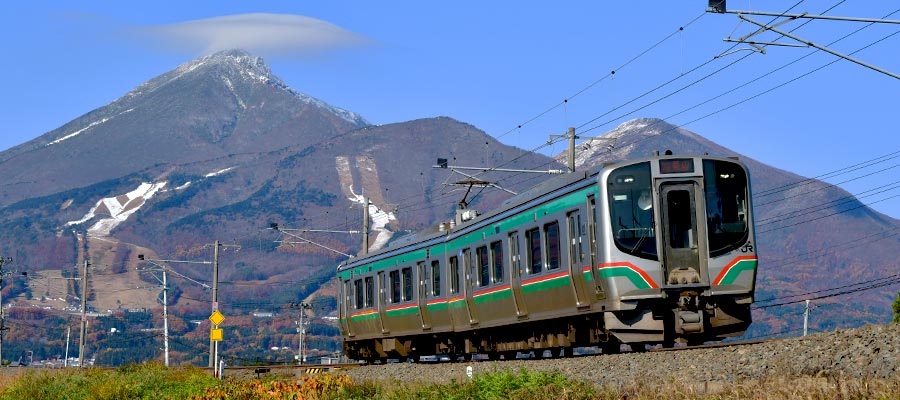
(234, 66)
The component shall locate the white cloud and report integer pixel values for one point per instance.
(268, 34)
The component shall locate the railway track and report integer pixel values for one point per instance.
(298, 370)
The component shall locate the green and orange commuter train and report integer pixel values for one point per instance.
(653, 251)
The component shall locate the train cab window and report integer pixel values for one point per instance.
(395, 286)
(631, 210)
(358, 288)
(369, 300)
(407, 283)
(497, 261)
(454, 275)
(484, 267)
(551, 234)
(535, 261)
(435, 278)
(725, 186)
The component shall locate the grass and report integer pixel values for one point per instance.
(136, 381)
(153, 381)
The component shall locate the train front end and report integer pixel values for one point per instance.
(679, 256)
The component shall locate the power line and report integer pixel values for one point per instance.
(610, 74)
(834, 203)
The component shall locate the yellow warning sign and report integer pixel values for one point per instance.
(216, 318)
(216, 335)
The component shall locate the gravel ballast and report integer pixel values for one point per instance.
(868, 352)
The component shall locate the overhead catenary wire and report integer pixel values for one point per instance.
(610, 74)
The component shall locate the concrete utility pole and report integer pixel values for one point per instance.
(214, 345)
(165, 317)
(806, 318)
(365, 243)
(66, 360)
(165, 270)
(83, 312)
(3, 327)
(571, 136)
(301, 329)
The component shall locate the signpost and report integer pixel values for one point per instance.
(216, 335)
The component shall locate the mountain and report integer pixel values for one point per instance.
(812, 236)
(220, 148)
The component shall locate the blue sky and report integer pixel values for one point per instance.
(495, 66)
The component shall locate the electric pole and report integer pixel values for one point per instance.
(214, 345)
(3, 327)
(83, 312)
(806, 318)
(165, 317)
(301, 329)
(571, 136)
(365, 243)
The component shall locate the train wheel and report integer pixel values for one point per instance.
(568, 352)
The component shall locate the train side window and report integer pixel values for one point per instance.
(484, 268)
(535, 262)
(497, 258)
(358, 288)
(407, 283)
(395, 286)
(370, 292)
(551, 234)
(454, 275)
(435, 278)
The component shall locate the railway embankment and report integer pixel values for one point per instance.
(871, 352)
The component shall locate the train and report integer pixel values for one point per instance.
(656, 251)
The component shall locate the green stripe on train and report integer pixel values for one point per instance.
(735, 271)
(500, 294)
(624, 272)
(402, 311)
(364, 317)
(437, 306)
(553, 283)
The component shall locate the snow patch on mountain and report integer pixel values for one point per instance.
(380, 220)
(89, 126)
(231, 87)
(117, 209)
(219, 172)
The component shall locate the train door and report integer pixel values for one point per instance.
(593, 245)
(423, 274)
(468, 285)
(515, 275)
(344, 317)
(382, 313)
(680, 233)
(576, 258)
